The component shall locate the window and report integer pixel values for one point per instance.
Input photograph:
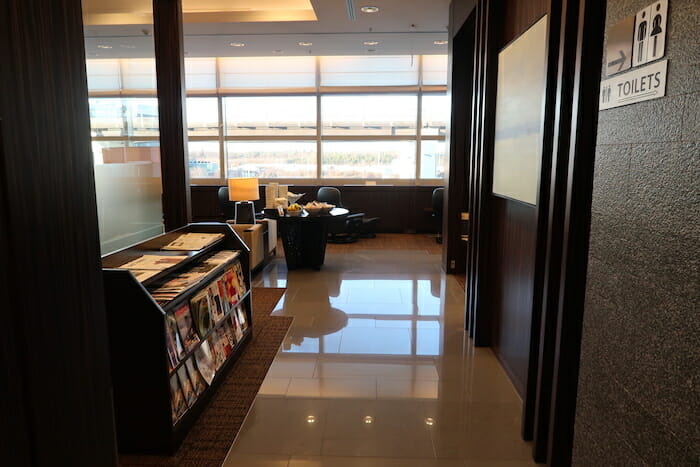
(202, 116)
(436, 109)
(203, 132)
(309, 118)
(141, 116)
(271, 159)
(369, 115)
(368, 159)
(433, 159)
(204, 159)
(270, 116)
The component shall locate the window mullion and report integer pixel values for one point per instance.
(319, 143)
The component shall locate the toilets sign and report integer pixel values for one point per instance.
(640, 84)
(632, 44)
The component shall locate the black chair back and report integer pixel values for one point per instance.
(228, 207)
(438, 194)
(330, 195)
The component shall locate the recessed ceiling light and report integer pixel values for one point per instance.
(102, 46)
(439, 42)
(371, 42)
(306, 44)
(369, 9)
(237, 44)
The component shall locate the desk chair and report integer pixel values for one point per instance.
(345, 229)
(228, 207)
(438, 196)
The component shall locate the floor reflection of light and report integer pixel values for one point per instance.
(369, 420)
(310, 419)
(430, 421)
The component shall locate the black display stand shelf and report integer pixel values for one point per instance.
(137, 342)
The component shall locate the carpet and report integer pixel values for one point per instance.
(211, 437)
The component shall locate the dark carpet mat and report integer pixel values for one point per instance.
(211, 437)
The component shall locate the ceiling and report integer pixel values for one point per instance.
(400, 27)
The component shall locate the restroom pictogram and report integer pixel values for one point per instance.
(641, 37)
(650, 33)
(657, 33)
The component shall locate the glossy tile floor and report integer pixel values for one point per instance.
(377, 370)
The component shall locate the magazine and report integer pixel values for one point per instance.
(221, 285)
(201, 306)
(193, 241)
(224, 340)
(241, 278)
(229, 333)
(177, 400)
(186, 327)
(172, 339)
(143, 274)
(242, 319)
(222, 257)
(218, 307)
(195, 377)
(235, 327)
(157, 262)
(206, 361)
(186, 386)
(231, 287)
(217, 350)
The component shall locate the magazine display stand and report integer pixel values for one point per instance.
(153, 355)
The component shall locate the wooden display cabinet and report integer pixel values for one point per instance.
(139, 359)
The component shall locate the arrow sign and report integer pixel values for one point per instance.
(620, 61)
(618, 48)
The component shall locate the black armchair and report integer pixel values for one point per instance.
(227, 206)
(343, 229)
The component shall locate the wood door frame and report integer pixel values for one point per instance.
(587, 18)
(454, 251)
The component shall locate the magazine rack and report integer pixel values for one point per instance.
(140, 364)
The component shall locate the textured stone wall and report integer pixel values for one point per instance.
(638, 400)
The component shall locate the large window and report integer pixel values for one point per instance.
(288, 118)
(270, 116)
(271, 159)
(371, 114)
(369, 159)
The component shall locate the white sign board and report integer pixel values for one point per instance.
(640, 84)
(650, 33)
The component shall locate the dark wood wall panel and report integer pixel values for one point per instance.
(504, 257)
(513, 246)
(521, 14)
(401, 208)
(52, 290)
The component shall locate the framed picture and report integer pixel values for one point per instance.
(517, 154)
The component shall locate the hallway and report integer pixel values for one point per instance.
(376, 369)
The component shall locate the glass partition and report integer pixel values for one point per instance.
(124, 123)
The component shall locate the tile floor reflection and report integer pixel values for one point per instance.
(377, 371)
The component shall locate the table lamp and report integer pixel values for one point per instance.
(243, 190)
